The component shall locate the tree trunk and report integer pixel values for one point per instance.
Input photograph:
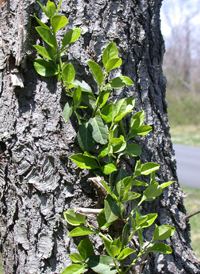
(37, 180)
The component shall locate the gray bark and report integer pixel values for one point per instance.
(37, 181)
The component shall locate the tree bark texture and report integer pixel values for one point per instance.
(37, 180)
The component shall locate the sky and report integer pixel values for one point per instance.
(175, 12)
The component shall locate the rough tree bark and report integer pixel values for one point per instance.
(37, 181)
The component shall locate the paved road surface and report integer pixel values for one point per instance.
(188, 165)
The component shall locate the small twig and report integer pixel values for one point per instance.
(192, 214)
(86, 211)
(96, 183)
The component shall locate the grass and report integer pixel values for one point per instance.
(192, 204)
(186, 135)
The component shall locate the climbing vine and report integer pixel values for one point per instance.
(103, 141)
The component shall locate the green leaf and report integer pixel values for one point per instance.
(51, 8)
(77, 96)
(133, 150)
(109, 52)
(101, 264)
(159, 247)
(152, 191)
(149, 168)
(70, 37)
(85, 248)
(84, 87)
(111, 209)
(73, 218)
(140, 236)
(137, 169)
(80, 231)
(109, 168)
(113, 63)
(112, 248)
(99, 130)
(149, 221)
(41, 23)
(76, 258)
(141, 130)
(120, 188)
(84, 161)
(58, 7)
(125, 234)
(58, 22)
(88, 100)
(44, 68)
(68, 73)
(101, 219)
(42, 51)
(138, 183)
(96, 71)
(130, 195)
(125, 253)
(103, 98)
(118, 144)
(108, 113)
(43, 8)
(123, 107)
(137, 119)
(74, 269)
(119, 82)
(47, 36)
(84, 137)
(166, 184)
(68, 110)
(163, 232)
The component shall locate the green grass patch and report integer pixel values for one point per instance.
(186, 135)
(1, 269)
(192, 204)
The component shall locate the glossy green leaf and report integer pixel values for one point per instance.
(44, 68)
(84, 87)
(111, 209)
(140, 236)
(120, 188)
(96, 71)
(42, 51)
(109, 52)
(138, 183)
(137, 169)
(133, 150)
(119, 82)
(101, 264)
(108, 113)
(112, 248)
(43, 8)
(77, 96)
(113, 64)
(58, 22)
(149, 221)
(68, 110)
(70, 37)
(109, 168)
(163, 232)
(41, 23)
(68, 73)
(84, 137)
(74, 269)
(76, 258)
(88, 100)
(73, 218)
(159, 247)
(47, 36)
(125, 253)
(166, 184)
(58, 7)
(123, 107)
(141, 130)
(101, 219)
(80, 231)
(149, 168)
(84, 161)
(99, 130)
(104, 151)
(152, 191)
(127, 182)
(125, 234)
(51, 8)
(130, 195)
(118, 144)
(137, 119)
(103, 98)
(85, 248)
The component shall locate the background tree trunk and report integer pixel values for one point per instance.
(37, 181)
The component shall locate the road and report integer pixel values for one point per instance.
(188, 165)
